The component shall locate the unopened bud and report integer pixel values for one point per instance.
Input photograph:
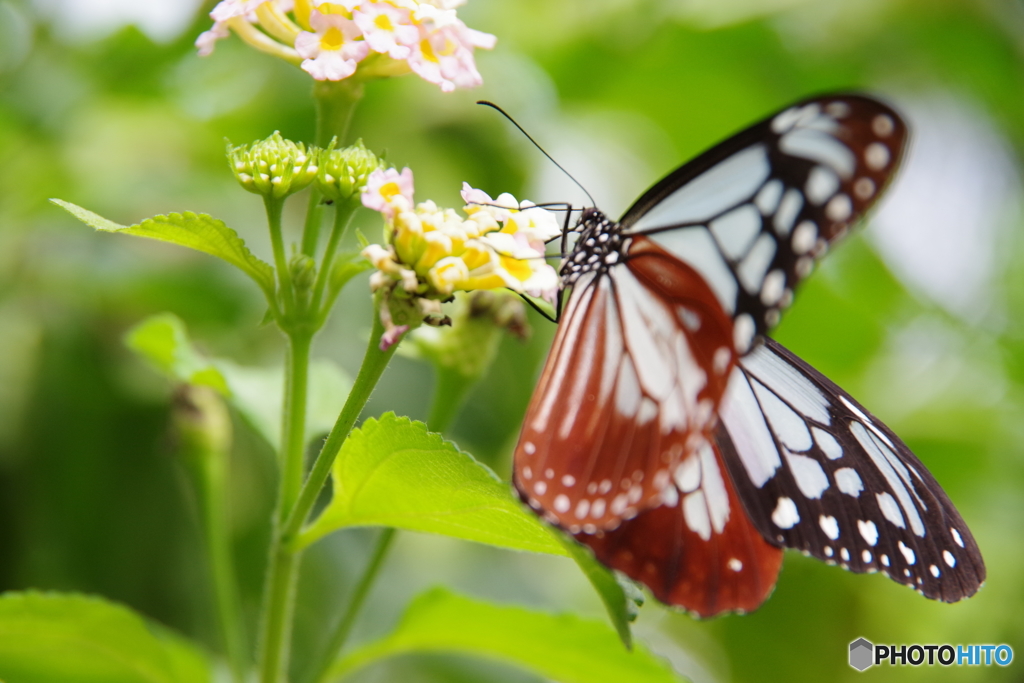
(303, 270)
(274, 167)
(343, 172)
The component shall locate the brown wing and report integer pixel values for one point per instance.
(699, 549)
(631, 387)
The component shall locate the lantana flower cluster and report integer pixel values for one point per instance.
(333, 40)
(432, 252)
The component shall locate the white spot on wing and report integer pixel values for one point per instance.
(883, 125)
(849, 481)
(736, 230)
(876, 156)
(562, 503)
(752, 269)
(934, 570)
(735, 564)
(956, 537)
(773, 287)
(948, 557)
(722, 186)
(839, 208)
(890, 509)
(829, 525)
(868, 531)
(785, 514)
(822, 183)
(627, 391)
(804, 237)
(687, 475)
(695, 512)
(767, 200)
(827, 443)
(810, 478)
(743, 332)
(791, 204)
(713, 485)
(908, 553)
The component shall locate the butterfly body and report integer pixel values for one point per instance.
(685, 447)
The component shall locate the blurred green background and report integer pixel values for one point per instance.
(920, 316)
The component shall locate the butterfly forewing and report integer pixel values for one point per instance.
(817, 472)
(752, 214)
(632, 382)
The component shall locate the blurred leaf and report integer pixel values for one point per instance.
(79, 639)
(346, 267)
(559, 647)
(621, 599)
(255, 392)
(393, 472)
(195, 231)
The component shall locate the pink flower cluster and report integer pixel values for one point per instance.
(334, 40)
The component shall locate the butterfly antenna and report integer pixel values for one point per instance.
(504, 113)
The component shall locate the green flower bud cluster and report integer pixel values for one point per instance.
(274, 167)
(343, 172)
(277, 167)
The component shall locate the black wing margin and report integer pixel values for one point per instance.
(818, 473)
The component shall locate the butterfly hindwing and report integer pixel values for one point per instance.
(753, 213)
(818, 473)
(698, 549)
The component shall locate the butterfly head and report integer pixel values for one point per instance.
(600, 246)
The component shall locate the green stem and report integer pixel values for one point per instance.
(359, 595)
(373, 367)
(218, 547)
(343, 213)
(275, 208)
(450, 393)
(279, 595)
(335, 104)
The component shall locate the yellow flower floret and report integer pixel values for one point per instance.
(499, 243)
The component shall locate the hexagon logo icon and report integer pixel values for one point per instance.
(862, 654)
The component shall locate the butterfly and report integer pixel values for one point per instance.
(676, 439)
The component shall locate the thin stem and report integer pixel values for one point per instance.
(450, 393)
(218, 547)
(279, 596)
(275, 208)
(343, 213)
(359, 595)
(373, 367)
(335, 104)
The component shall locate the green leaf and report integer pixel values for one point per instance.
(66, 638)
(195, 231)
(559, 647)
(621, 597)
(393, 472)
(255, 392)
(346, 267)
